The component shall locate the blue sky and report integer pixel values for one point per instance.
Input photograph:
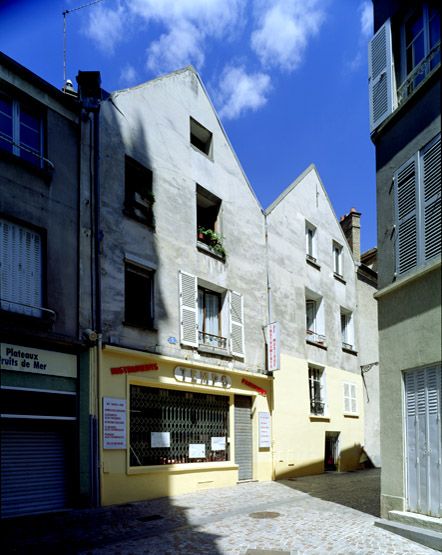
(288, 77)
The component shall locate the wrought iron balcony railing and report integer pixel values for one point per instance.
(315, 337)
(419, 73)
(211, 340)
(317, 407)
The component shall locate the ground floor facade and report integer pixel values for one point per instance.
(318, 419)
(44, 428)
(170, 426)
(411, 398)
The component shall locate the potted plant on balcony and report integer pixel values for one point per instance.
(212, 239)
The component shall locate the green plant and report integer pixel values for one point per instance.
(213, 239)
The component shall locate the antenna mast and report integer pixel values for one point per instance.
(65, 13)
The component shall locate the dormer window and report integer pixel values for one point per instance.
(200, 137)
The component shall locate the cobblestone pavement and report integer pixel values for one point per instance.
(238, 520)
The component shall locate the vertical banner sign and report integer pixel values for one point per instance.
(265, 439)
(273, 346)
(114, 423)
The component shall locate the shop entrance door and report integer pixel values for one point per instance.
(243, 437)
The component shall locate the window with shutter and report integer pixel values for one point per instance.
(381, 76)
(431, 178)
(236, 324)
(406, 214)
(188, 291)
(350, 404)
(21, 269)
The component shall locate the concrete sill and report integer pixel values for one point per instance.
(349, 351)
(319, 418)
(313, 263)
(315, 344)
(351, 415)
(214, 351)
(339, 278)
(182, 467)
(408, 278)
(202, 247)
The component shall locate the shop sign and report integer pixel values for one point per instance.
(37, 361)
(114, 423)
(252, 385)
(273, 352)
(200, 377)
(137, 368)
(265, 439)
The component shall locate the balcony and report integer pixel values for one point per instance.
(314, 337)
(213, 342)
(317, 407)
(419, 74)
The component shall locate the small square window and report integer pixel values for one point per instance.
(138, 296)
(200, 137)
(139, 199)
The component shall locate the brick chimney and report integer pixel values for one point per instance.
(351, 226)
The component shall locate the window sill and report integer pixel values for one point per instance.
(405, 279)
(145, 327)
(196, 149)
(351, 415)
(202, 247)
(213, 350)
(349, 351)
(339, 278)
(182, 467)
(315, 344)
(15, 318)
(319, 418)
(149, 223)
(312, 263)
(45, 173)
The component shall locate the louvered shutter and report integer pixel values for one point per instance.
(406, 216)
(381, 79)
(347, 403)
(431, 199)
(21, 282)
(188, 289)
(236, 324)
(434, 389)
(411, 440)
(353, 398)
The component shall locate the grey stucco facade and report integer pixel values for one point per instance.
(409, 302)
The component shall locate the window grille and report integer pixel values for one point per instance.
(189, 417)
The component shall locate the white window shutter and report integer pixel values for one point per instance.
(381, 79)
(6, 263)
(431, 199)
(236, 304)
(188, 289)
(347, 405)
(405, 186)
(353, 397)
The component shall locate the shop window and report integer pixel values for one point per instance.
(316, 377)
(21, 130)
(171, 427)
(138, 296)
(21, 289)
(139, 199)
(200, 137)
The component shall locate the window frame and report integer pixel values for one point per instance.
(311, 249)
(338, 260)
(40, 312)
(347, 329)
(204, 146)
(143, 322)
(139, 210)
(316, 332)
(317, 383)
(202, 332)
(19, 104)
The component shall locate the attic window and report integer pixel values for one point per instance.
(200, 137)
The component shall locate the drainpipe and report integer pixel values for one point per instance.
(89, 91)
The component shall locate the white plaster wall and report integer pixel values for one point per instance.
(151, 123)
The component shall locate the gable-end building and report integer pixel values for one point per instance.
(405, 73)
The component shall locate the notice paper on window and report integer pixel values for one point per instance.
(160, 439)
(218, 443)
(197, 450)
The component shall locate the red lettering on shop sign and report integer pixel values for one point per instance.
(260, 390)
(139, 368)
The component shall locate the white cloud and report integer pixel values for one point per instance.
(240, 91)
(366, 14)
(180, 47)
(106, 26)
(128, 75)
(284, 30)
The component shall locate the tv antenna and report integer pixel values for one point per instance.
(65, 13)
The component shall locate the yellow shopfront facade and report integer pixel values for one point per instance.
(169, 426)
